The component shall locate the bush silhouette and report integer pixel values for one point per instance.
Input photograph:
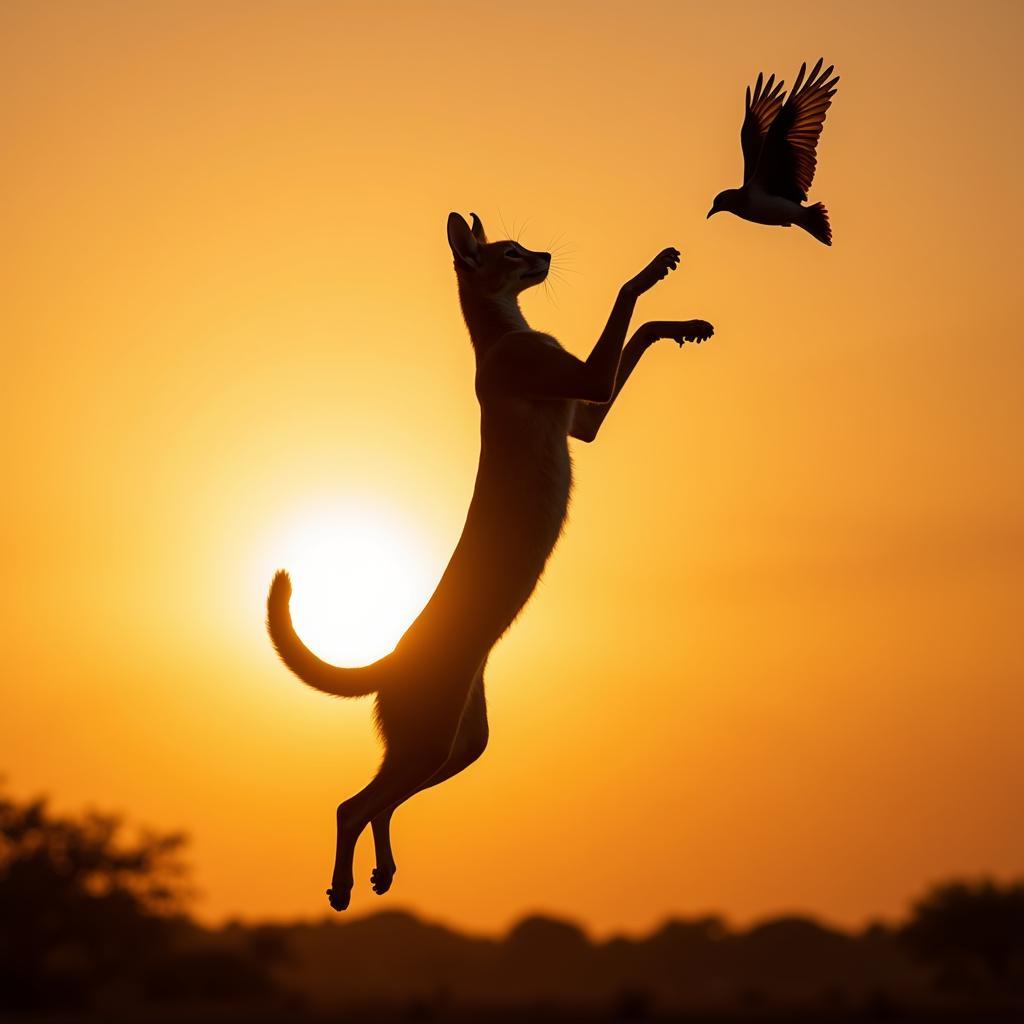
(91, 916)
(973, 932)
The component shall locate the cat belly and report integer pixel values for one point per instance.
(515, 518)
(524, 532)
(514, 522)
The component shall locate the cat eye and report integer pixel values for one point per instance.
(513, 254)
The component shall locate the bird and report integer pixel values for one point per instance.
(779, 138)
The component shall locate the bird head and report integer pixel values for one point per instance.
(727, 200)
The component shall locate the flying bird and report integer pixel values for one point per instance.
(779, 138)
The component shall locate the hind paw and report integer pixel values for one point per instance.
(339, 898)
(381, 879)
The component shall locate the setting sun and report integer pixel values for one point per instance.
(359, 578)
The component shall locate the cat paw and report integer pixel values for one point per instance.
(659, 268)
(339, 898)
(381, 879)
(692, 330)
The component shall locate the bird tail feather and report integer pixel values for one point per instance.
(332, 679)
(815, 222)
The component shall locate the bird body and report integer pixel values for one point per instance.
(753, 203)
(779, 138)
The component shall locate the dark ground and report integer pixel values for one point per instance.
(93, 927)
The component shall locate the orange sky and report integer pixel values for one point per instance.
(774, 662)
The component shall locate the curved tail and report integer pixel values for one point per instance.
(340, 682)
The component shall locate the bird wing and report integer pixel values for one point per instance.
(762, 109)
(788, 160)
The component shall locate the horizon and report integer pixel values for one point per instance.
(774, 663)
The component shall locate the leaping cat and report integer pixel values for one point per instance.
(533, 396)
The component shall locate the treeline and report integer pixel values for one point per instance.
(92, 919)
(962, 947)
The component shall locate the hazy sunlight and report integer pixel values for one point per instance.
(359, 579)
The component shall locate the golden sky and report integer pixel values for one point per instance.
(776, 661)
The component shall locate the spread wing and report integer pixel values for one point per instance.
(762, 109)
(788, 160)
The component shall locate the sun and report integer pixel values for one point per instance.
(359, 578)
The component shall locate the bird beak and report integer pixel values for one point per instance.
(711, 211)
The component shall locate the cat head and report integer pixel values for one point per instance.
(497, 269)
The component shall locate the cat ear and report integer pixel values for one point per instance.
(478, 230)
(463, 241)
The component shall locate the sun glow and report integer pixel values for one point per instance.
(359, 578)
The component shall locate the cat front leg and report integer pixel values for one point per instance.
(588, 416)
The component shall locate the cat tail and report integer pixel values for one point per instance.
(332, 679)
(815, 222)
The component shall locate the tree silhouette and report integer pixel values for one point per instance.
(963, 925)
(92, 916)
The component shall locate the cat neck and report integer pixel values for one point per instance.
(489, 317)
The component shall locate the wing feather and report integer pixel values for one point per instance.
(762, 107)
(788, 157)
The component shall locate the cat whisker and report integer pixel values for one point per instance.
(562, 271)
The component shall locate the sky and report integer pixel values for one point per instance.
(775, 663)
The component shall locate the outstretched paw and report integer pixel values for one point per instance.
(685, 330)
(339, 898)
(381, 879)
(666, 261)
